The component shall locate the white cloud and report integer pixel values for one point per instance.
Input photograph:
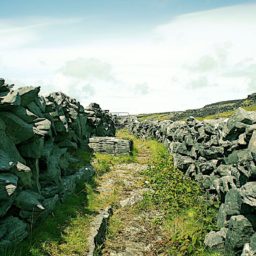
(20, 32)
(83, 68)
(193, 60)
(141, 89)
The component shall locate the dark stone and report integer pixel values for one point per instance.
(239, 156)
(33, 148)
(222, 217)
(182, 162)
(240, 116)
(2, 81)
(239, 232)
(28, 94)
(248, 193)
(18, 130)
(233, 202)
(12, 230)
(24, 173)
(29, 200)
(24, 114)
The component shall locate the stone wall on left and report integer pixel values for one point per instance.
(38, 136)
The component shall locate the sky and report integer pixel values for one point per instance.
(135, 56)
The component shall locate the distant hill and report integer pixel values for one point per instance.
(210, 111)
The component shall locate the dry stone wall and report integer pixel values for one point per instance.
(38, 136)
(221, 156)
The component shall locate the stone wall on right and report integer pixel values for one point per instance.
(221, 156)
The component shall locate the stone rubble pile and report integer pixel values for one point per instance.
(221, 156)
(38, 138)
(111, 145)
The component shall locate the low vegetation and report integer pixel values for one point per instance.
(166, 116)
(154, 117)
(185, 221)
(103, 162)
(63, 232)
(226, 114)
(187, 217)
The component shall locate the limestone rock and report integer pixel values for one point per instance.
(239, 232)
(38, 138)
(182, 162)
(233, 202)
(215, 240)
(28, 94)
(110, 145)
(252, 143)
(10, 100)
(248, 193)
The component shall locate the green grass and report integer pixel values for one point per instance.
(225, 114)
(154, 117)
(188, 214)
(185, 222)
(103, 162)
(216, 116)
(65, 232)
(62, 233)
(166, 116)
(250, 108)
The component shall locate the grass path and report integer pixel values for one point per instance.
(154, 205)
(131, 231)
(154, 211)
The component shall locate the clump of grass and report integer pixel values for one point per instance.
(103, 162)
(250, 108)
(116, 225)
(216, 116)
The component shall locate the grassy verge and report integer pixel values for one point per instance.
(187, 217)
(103, 162)
(63, 232)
